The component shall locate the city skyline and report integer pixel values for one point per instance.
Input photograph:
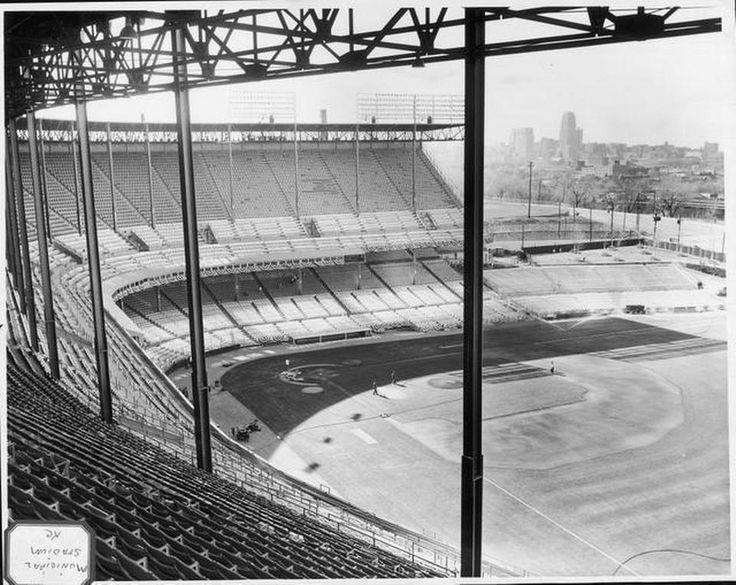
(572, 131)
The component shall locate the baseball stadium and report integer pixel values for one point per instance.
(331, 279)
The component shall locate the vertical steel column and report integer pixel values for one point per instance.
(357, 167)
(12, 234)
(112, 180)
(93, 260)
(191, 255)
(150, 176)
(414, 157)
(43, 250)
(296, 168)
(230, 162)
(472, 458)
(25, 254)
(74, 145)
(44, 191)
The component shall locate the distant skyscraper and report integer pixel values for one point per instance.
(571, 138)
(547, 148)
(710, 150)
(522, 143)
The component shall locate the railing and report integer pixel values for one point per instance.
(696, 251)
(449, 183)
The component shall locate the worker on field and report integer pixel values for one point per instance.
(392, 377)
(375, 388)
(552, 367)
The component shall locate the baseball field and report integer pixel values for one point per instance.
(615, 463)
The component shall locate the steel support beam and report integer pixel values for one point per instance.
(200, 389)
(472, 458)
(44, 190)
(43, 250)
(296, 168)
(230, 169)
(149, 165)
(12, 242)
(25, 254)
(74, 145)
(414, 157)
(111, 168)
(93, 260)
(11, 236)
(357, 169)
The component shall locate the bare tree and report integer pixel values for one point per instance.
(671, 202)
(628, 189)
(580, 193)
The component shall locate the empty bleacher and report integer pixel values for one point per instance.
(260, 203)
(146, 404)
(270, 306)
(569, 289)
(573, 279)
(154, 516)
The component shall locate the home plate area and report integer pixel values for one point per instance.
(633, 411)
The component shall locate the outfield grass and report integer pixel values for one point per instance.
(610, 458)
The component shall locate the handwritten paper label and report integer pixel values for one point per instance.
(40, 553)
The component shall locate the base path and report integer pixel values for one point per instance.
(609, 465)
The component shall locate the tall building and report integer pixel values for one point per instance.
(547, 148)
(710, 150)
(571, 138)
(522, 143)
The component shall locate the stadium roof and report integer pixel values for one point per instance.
(53, 58)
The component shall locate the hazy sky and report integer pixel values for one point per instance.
(677, 90)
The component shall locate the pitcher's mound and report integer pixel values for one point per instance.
(448, 382)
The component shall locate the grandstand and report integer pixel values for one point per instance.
(272, 276)
(236, 350)
(601, 282)
(155, 517)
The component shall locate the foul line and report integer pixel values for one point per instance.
(561, 527)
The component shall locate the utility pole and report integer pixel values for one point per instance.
(637, 211)
(590, 223)
(529, 207)
(613, 206)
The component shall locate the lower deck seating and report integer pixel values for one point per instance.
(154, 516)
